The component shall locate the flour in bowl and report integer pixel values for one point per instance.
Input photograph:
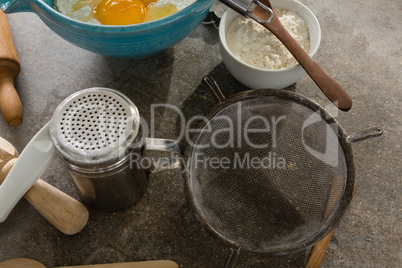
(253, 44)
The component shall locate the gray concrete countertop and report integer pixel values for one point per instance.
(360, 48)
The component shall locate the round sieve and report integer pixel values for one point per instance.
(269, 172)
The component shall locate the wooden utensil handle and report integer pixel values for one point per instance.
(7, 152)
(21, 262)
(61, 210)
(324, 81)
(318, 252)
(144, 264)
(8, 53)
(24, 262)
(10, 103)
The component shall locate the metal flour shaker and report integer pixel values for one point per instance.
(96, 132)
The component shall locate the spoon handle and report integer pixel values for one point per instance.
(324, 81)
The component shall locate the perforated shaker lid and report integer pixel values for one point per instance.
(94, 126)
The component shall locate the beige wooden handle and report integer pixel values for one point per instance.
(318, 252)
(21, 262)
(334, 92)
(29, 263)
(7, 152)
(10, 103)
(64, 212)
(144, 264)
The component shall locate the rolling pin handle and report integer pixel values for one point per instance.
(10, 103)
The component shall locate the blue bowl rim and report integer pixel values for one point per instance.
(114, 29)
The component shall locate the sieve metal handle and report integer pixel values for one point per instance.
(164, 145)
(232, 258)
(213, 87)
(212, 18)
(364, 135)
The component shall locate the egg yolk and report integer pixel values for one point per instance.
(120, 12)
(123, 12)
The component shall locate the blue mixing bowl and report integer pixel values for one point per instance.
(131, 41)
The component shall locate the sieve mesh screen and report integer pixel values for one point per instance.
(266, 172)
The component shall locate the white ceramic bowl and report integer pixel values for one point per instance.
(254, 77)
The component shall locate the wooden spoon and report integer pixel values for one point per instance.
(324, 81)
(64, 212)
(28, 263)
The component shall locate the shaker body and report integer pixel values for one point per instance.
(95, 131)
(111, 191)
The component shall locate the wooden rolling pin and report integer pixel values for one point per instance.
(10, 103)
(64, 212)
(28, 263)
